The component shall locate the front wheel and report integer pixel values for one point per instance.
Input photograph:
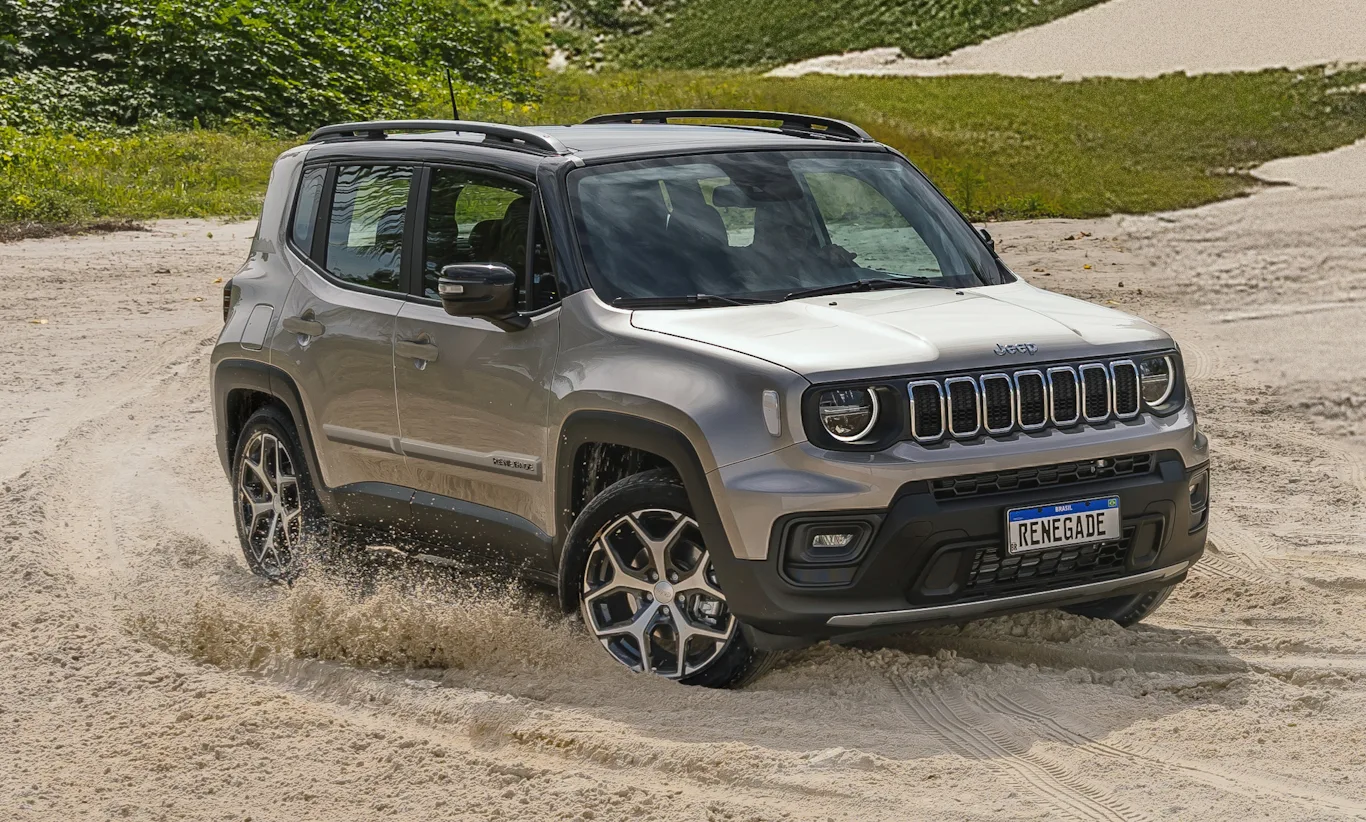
(647, 588)
(1127, 611)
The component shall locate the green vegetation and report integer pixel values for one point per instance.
(49, 178)
(1011, 148)
(689, 34)
(285, 65)
(103, 102)
(999, 147)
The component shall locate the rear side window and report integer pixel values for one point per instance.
(306, 208)
(365, 231)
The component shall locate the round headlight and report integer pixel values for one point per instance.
(848, 414)
(1157, 378)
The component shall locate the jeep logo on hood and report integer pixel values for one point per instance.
(1022, 348)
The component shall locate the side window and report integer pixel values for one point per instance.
(474, 218)
(865, 223)
(365, 233)
(306, 208)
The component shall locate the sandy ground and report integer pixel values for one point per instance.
(1141, 38)
(148, 676)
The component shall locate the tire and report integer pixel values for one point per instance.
(280, 523)
(610, 571)
(1128, 610)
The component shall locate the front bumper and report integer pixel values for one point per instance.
(938, 557)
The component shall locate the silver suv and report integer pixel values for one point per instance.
(728, 388)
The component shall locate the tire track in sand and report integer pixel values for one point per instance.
(1353, 461)
(1049, 780)
(1201, 364)
(1048, 724)
(1235, 553)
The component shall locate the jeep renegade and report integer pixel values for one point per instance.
(729, 388)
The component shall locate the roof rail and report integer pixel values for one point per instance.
(803, 124)
(493, 132)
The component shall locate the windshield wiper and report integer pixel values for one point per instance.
(871, 284)
(682, 301)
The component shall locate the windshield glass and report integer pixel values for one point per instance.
(767, 223)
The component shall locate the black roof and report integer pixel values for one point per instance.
(587, 143)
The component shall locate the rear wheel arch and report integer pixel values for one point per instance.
(241, 387)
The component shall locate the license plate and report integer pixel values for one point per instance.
(1062, 524)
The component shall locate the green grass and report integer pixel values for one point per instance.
(1012, 147)
(767, 33)
(999, 147)
(60, 178)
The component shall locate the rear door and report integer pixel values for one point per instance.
(337, 330)
(473, 399)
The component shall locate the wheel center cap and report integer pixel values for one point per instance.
(664, 592)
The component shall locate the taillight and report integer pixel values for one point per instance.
(227, 300)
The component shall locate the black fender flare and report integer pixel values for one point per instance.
(736, 576)
(253, 375)
(617, 428)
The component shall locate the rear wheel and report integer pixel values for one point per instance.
(647, 588)
(1128, 610)
(280, 523)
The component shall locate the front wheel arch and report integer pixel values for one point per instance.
(667, 443)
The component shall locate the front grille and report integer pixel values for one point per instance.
(998, 403)
(1126, 389)
(1001, 403)
(1095, 398)
(1044, 476)
(927, 411)
(1031, 393)
(1063, 384)
(964, 410)
(996, 572)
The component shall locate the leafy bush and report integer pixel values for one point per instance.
(286, 65)
(61, 100)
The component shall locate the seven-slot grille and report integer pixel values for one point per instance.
(963, 407)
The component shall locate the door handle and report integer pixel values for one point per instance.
(303, 326)
(420, 352)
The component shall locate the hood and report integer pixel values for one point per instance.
(912, 331)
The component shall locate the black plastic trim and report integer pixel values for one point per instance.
(447, 527)
(241, 374)
(615, 428)
(495, 134)
(803, 124)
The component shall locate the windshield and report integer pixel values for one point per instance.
(766, 224)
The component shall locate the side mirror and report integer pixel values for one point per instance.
(487, 290)
(986, 238)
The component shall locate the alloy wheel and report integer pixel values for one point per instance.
(270, 506)
(650, 594)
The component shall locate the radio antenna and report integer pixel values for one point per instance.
(450, 87)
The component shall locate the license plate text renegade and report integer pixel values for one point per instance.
(728, 388)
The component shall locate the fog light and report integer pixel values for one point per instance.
(826, 549)
(828, 541)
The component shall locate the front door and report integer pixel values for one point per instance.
(473, 399)
(337, 326)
